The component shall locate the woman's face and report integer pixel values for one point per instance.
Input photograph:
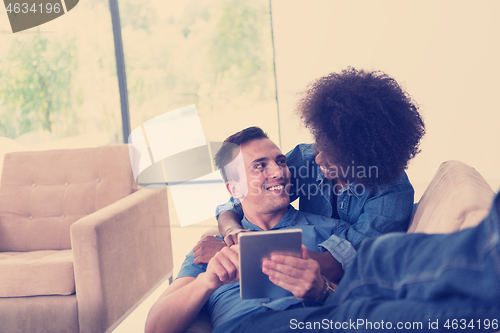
(330, 170)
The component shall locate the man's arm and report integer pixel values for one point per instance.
(179, 305)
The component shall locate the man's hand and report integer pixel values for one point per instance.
(232, 236)
(222, 268)
(300, 276)
(206, 248)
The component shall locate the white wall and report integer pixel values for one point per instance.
(445, 53)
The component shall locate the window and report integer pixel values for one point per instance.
(216, 54)
(58, 85)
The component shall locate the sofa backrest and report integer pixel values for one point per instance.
(458, 197)
(43, 193)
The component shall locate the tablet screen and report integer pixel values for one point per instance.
(254, 247)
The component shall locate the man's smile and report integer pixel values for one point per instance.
(275, 188)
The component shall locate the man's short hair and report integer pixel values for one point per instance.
(231, 148)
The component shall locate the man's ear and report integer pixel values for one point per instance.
(233, 189)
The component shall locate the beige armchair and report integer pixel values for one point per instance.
(80, 246)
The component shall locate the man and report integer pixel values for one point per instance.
(413, 282)
(256, 174)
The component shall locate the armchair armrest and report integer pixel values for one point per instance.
(121, 254)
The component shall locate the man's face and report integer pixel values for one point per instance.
(267, 177)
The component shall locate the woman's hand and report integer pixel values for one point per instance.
(232, 236)
(206, 249)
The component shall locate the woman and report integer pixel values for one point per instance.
(367, 129)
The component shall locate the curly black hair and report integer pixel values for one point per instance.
(363, 120)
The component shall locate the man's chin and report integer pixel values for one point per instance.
(280, 198)
(282, 203)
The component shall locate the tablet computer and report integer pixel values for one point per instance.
(254, 247)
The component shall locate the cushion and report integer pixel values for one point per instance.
(36, 273)
(43, 193)
(458, 197)
(42, 314)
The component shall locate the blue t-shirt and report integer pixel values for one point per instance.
(225, 303)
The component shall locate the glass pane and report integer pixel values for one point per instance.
(216, 54)
(58, 85)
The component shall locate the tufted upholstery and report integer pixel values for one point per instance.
(37, 273)
(43, 193)
(79, 239)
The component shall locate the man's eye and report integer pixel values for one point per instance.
(259, 166)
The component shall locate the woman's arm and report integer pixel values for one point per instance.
(330, 267)
(389, 211)
(230, 227)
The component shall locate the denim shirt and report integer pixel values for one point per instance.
(363, 212)
(225, 303)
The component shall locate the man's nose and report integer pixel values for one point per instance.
(274, 171)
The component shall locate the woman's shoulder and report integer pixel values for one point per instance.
(303, 151)
(399, 185)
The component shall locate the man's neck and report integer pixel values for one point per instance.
(265, 221)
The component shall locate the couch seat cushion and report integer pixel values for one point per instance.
(48, 272)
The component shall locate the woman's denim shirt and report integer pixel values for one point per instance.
(363, 212)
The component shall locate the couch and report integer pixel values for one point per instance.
(457, 197)
(80, 245)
